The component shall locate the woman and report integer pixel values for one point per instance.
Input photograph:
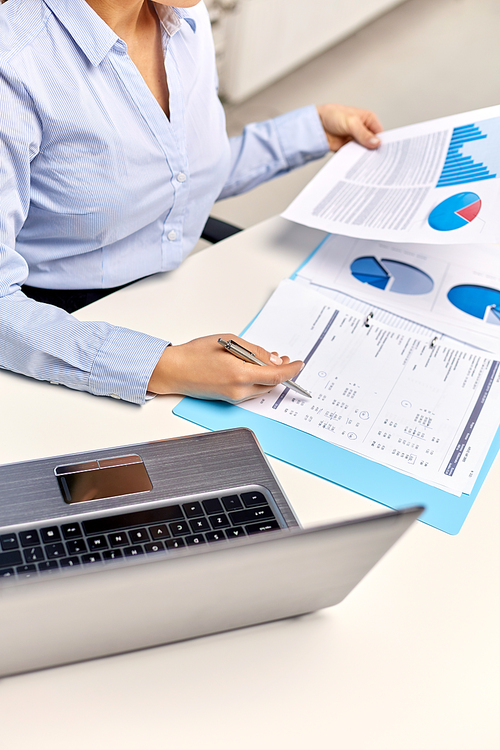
(112, 152)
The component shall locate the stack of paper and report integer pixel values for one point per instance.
(397, 318)
(392, 391)
(436, 184)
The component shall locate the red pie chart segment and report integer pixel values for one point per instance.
(470, 212)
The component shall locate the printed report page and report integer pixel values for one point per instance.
(401, 395)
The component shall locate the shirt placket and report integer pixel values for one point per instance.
(170, 136)
(173, 228)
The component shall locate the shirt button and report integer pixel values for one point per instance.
(181, 177)
(172, 235)
(115, 395)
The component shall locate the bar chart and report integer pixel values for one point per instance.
(467, 155)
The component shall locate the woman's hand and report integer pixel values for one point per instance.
(343, 124)
(202, 368)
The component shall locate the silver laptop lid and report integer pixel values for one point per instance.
(97, 612)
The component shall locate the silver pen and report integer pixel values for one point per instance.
(239, 351)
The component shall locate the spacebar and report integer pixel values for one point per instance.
(123, 521)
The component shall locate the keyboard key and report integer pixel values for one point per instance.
(180, 528)
(7, 573)
(55, 550)
(235, 532)
(133, 551)
(258, 528)
(199, 524)
(232, 502)
(212, 506)
(138, 535)
(76, 546)
(195, 539)
(33, 554)
(8, 541)
(159, 532)
(112, 554)
(50, 534)
(192, 510)
(250, 499)
(175, 543)
(97, 542)
(48, 565)
(70, 562)
(215, 536)
(220, 521)
(154, 547)
(117, 540)
(252, 514)
(29, 538)
(71, 530)
(26, 571)
(139, 518)
(92, 557)
(13, 557)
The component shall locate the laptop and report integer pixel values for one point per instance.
(135, 546)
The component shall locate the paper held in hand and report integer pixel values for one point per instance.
(435, 182)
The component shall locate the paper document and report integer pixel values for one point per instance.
(422, 404)
(435, 182)
(454, 288)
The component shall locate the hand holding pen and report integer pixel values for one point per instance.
(247, 356)
(201, 368)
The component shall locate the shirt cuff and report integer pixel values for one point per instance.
(301, 135)
(124, 364)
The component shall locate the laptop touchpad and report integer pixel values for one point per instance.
(103, 478)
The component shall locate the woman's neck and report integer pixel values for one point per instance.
(127, 18)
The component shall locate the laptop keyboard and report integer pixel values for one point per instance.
(147, 531)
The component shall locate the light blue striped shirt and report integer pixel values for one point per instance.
(98, 187)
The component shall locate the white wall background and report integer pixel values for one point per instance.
(258, 41)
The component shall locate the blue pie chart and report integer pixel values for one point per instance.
(455, 212)
(480, 301)
(391, 275)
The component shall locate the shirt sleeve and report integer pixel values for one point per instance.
(267, 149)
(43, 341)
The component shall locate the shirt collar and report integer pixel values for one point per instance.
(94, 37)
(171, 18)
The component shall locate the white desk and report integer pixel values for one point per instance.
(410, 660)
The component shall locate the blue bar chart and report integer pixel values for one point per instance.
(462, 166)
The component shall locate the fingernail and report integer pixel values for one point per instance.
(374, 141)
(275, 359)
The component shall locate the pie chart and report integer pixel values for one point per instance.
(391, 275)
(455, 212)
(480, 301)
